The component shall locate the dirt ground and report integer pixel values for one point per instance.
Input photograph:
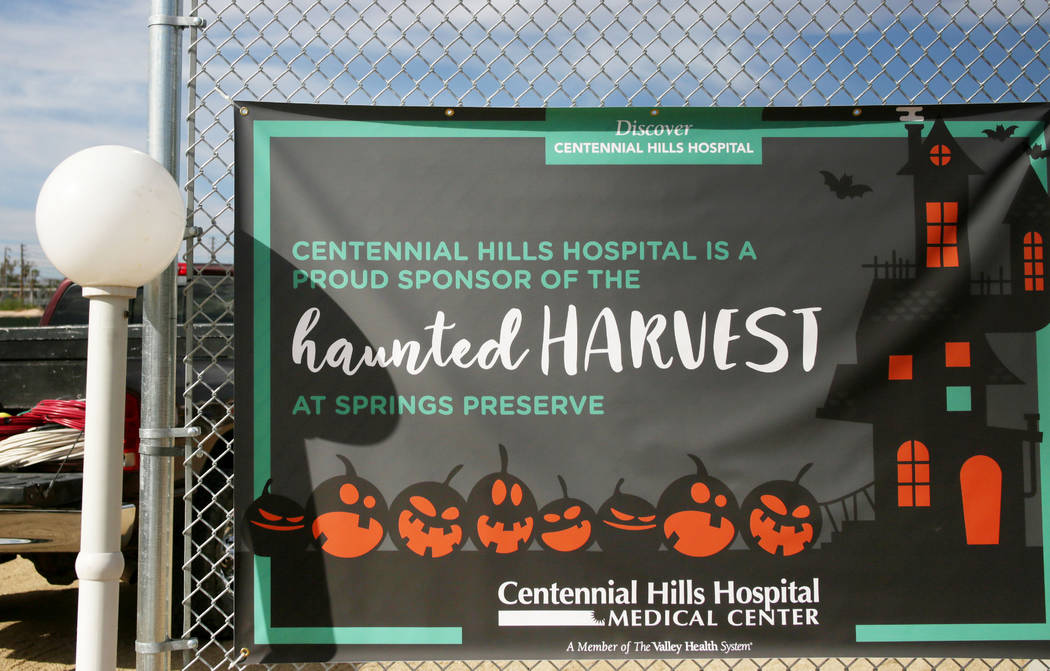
(28, 312)
(38, 626)
(38, 621)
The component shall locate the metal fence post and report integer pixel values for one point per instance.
(156, 476)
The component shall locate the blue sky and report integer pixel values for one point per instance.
(72, 75)
(74, 71)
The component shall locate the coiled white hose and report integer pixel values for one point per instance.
(39, 445)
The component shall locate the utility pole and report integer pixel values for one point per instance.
(21, 271)
(5, 271)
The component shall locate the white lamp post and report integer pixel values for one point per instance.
(111, 219)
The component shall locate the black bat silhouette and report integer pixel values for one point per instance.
(844, 187)
(999, 133)
(1037, 151)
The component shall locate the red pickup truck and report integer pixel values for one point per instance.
(40, 502)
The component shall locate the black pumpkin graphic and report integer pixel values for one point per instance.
(565, 524)
(429, 518)
(627, 523)
(699, 514)
(275, 524)
(503, 510)
(782, 517)
(348, 513)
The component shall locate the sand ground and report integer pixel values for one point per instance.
(38, 621)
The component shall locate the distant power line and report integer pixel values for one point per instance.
(32, 252)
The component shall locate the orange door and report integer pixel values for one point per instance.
(982, 493)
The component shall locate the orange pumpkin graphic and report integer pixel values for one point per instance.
(503, 510)
(430, 518)
(565, 524)
(349, 514)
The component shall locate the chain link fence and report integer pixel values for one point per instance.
(554, 53)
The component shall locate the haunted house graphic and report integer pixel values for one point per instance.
(945, 477)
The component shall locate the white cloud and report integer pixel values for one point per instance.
(74, 76)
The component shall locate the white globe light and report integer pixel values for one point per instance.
(110, 216)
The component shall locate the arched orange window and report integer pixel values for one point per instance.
(1034, 270)
(913, 475)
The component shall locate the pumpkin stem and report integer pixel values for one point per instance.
(266, 487)
(617, 490)
(701, 472)
(564, 489)
(349, 467)
(803, 472)
(503, 459)
(452, 474)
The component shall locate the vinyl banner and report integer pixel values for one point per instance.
(641, 383)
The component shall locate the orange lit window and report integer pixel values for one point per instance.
(900, 367)
(957, 354)
(1034, 270)
(940, 155)
(913, 475)
(942, 235)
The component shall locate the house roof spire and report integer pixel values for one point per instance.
(938, 149)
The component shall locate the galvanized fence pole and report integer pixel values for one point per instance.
(153, 643)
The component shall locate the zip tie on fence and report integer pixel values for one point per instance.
(242, 110)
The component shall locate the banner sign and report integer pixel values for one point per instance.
(641, 383)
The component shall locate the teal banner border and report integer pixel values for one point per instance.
(264, 632)
(562, 123)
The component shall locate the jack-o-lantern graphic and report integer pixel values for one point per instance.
(429, 518)
(699, 514)
(275, 524)
(503, 510)
(782, 517)
(627, 523)
(349, 514)
(565, 524)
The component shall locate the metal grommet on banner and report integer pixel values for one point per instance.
(242, 654)
(449, 112)
(244, 111)
(857, 111)
(654, 112)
